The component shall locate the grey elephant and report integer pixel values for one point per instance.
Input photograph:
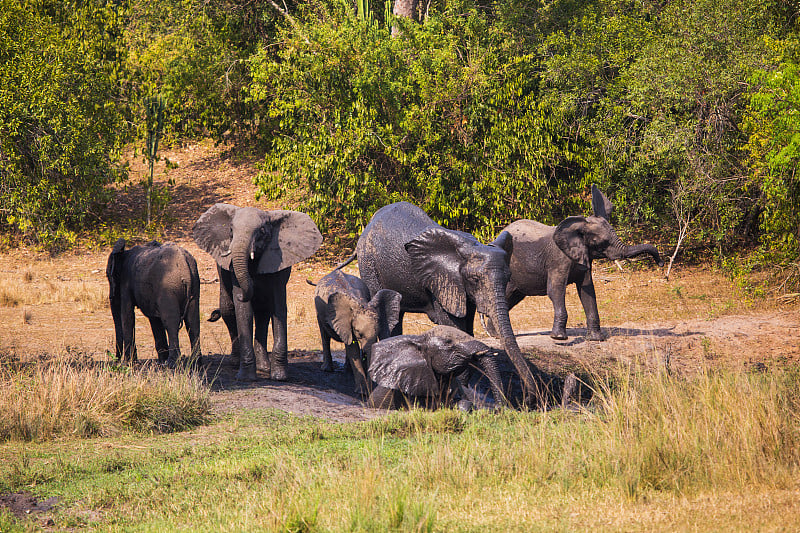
(254, 251)
(162, 281)
(424, 366)
(545, 259)
(444, 273)
(346, 314)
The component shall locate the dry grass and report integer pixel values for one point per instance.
(63, 397)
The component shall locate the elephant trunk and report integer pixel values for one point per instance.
(240, 263)
(488, 363)
(633, 251)
(503, 324)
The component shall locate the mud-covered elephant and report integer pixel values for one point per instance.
(254, 251)
(545, 259)
(347, 314)
(162, 281)
(426, 366)
(444, 273)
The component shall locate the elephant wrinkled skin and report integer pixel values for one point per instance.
(162, 281)
(255, 251)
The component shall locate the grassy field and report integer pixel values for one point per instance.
(718, 451)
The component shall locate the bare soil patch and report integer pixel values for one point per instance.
(51, 306)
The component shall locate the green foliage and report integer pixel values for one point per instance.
(773, 122)
(446, 116)
(60, 118)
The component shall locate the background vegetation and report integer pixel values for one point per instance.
(685, 112)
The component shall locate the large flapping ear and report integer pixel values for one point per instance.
(398, 363)
(213, 232)
(340, 311)
(505, 242)
(113, 265)
(295, 238)
(436, 259)
(601, 205)
(569, 236)
(386, 303)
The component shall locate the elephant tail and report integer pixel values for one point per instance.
(347, 261)
(187, 291)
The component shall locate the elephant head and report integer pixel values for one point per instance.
(355, 320)
(455, 267)
(418, 365)
(244, 238)
(584, 239)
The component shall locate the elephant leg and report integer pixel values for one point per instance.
(280, 352)
(174, 346)
(244, 325)
(260, 346)
(128, 331)
(327, 359)
(228, 311)
(160, 339)
(557, 291)
(589, 302)
(192, 322)
(362, 382)
(382, 398)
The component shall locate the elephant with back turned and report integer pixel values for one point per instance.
(162, 281)
(447, 274)
(545, 259)
(255, 251)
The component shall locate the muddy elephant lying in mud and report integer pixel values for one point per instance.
(426, 367)
(162, 281)
(347, 314)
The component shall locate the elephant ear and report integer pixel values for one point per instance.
(112, 268)
(295, 238)
(437, 262)
(386, 303)
(213, 232)
(398, 363)
(340, 311)
(505, 242)
(569, 237)
(601, 205)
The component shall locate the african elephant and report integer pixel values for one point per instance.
(255, 251)
(545, 259)
(346, 314)
(444, 273)
(425, 365)
(162, 281)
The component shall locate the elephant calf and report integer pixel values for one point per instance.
(162, 281)
(346, 313)
(427, 366)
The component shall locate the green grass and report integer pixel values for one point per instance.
(718, 451)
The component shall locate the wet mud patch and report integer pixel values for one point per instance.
(26, 505)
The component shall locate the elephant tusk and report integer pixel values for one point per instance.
(252, 256)
(483, 321)
(226, 253)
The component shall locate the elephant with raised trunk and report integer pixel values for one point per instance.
(162, 281)
(347, 314)
(444, 273)
(545, 259)
(426, 366)
(255, 251)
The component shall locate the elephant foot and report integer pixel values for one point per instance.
(327, 366)
(594, 335)
(247, 373)
(279, 374)
(464, 406)
(558, 335)
(569, 392)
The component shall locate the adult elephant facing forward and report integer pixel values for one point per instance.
(444, 273)
(255, 251)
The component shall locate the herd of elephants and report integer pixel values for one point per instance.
(407, 264)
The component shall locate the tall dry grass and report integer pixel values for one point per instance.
(45, 400)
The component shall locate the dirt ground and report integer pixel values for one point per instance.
(697, 319)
